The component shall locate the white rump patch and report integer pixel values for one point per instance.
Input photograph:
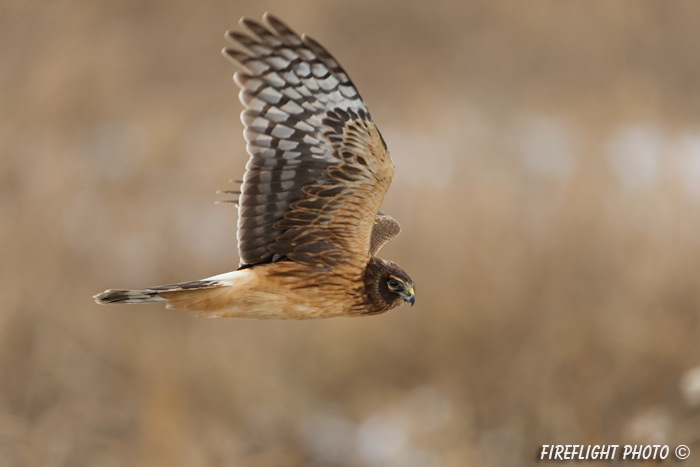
(228, 277)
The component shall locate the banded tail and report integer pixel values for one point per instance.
(154, 294)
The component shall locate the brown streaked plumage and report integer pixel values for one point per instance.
(309, 223)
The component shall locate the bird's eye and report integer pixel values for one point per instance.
(393, 283)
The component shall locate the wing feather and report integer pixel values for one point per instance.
(318, 168)
(385, 228)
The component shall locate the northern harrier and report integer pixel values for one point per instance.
(309, 223)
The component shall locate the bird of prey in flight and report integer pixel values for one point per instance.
(309, 224)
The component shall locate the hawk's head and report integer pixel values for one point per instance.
(387, 286)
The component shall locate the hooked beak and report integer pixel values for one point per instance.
(410, 296)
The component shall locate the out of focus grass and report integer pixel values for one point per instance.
(548, 185)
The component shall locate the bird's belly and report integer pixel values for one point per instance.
(256, 293)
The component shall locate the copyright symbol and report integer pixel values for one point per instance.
(682, 452)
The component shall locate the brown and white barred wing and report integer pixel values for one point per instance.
(289, 87)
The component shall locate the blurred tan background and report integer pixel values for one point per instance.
(548, 185)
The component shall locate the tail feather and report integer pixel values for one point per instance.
(152, 294)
